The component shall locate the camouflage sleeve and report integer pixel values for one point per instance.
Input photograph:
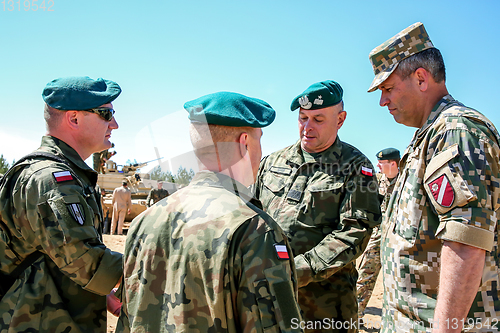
(461, 183)
(148, 199)
(60, 222)
(267, 290)
(255, 188)
(359, 213)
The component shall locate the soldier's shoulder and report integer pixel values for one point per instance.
(464, 117)
(353, 154)
(282, 154)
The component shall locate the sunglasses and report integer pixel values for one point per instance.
(105, 113)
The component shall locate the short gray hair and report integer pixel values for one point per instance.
(431, 60)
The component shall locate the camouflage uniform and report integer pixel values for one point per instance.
(369, 266)
(327, 206)
(205, 260)
(54, 208)
(447, 190)
(156, 195)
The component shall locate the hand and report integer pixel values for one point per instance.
(113, 304)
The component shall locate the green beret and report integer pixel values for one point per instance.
(230, 109)
(388, 154)
(386, 57)
(318, 96)
(79, 93)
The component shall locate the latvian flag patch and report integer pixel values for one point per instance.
(282, 252)
(442, 191)
(62, 176)
(366, 171)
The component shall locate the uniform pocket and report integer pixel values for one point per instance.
(265, 304)
(321, 203)
(411, 200)
(274, 182)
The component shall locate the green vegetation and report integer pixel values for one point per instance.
(183, 177)
(4, 165)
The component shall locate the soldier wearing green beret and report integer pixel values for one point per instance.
(369, 266)
(323, 193)
(439, 247)
(208, 259)
(55, 269)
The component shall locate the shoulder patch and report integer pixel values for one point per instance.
(62, 176)
(76, 211)
(281, 170)
(281, 252)
(366, 171)
(442, 191)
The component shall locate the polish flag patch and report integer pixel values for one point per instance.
(62, 176)
(281, 251)
(366, 171)
(442, 191)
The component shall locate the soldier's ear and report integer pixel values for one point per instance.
(72, 118)
(243, 140)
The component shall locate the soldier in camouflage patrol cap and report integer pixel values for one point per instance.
(369, 266)
(208, 259)
(323, 193)
(156, 194)
(51, 218)
(439, 248)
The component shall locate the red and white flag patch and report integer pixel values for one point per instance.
(366, 171)
(442, 191)
(281, 251)
(62, 176)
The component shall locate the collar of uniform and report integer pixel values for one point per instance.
(215, 179)
(330, 155)
(60, 148)
(438, 108)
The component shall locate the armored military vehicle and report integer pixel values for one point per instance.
(139, 184)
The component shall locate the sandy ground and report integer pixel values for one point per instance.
(372, 313)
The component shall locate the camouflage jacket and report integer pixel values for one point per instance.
(53, 207)
(327, 206)
(385, 189)
(156, 195)
(447, 190)
(207, 259)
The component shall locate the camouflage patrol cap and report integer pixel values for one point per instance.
(386, 57)
(318, 96)
(79, 93)
(230, 109)
(388, 154)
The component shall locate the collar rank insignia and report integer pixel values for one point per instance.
(304, 102)
(76, 211)
(62, 176)
(281, 252)
(442, 191)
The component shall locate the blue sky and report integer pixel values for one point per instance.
(164, 53)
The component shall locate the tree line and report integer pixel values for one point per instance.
(4, 165)
(183, 177)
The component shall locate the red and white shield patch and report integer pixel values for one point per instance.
(442, 191)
